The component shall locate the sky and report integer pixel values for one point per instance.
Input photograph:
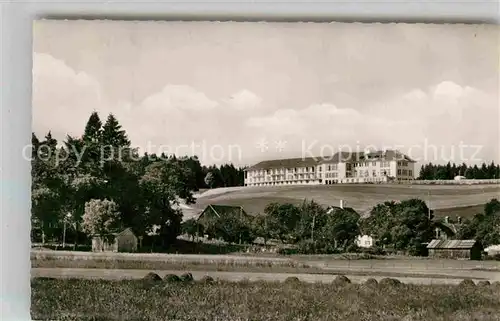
(246, 92)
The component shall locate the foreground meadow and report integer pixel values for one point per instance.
(75, 299)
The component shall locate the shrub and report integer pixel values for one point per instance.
(389, 282)
(371, 282)
(153, 277)
(171, 278)
(376, 250)
(353, 248)
(494, 257)
(467, 282)
(187, 277)
(306, 247)
(341, 280)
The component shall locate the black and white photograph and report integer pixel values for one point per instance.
(230, 171)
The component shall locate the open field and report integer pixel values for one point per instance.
(271, 274)
(111, 265)
(159, 265)
(158, 258)
(444, 199)
(268, 260)
(231, 301)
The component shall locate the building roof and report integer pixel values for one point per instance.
(453, 227)
(286, 163)
(451, 244)
(387, 155)
(224, 210)
(341, 157)
(335, 209)
(125, 231)
(118, 232)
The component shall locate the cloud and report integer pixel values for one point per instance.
(443, 115)
(44, 64)
(62, 97)
(178, 115)
(244, 100)
(316, 121)
(447, 101)
(177, 98)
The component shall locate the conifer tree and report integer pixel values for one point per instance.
(92, 131)
(92, 145)
(113, 134)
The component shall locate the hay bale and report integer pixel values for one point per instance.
(207, 279)
(171, 278)
(187, 277)
(467, 282)
(341, 280)
(371, 282)
(389, 282)
(483, 283)
(292, 280)
(152, 277)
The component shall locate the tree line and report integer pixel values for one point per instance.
(97, 183)
(404, 226)
(449, 171)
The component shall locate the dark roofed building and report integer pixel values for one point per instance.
(455, 249)
(285, 163)
(216, 211)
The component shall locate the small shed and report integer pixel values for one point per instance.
(124, 241)
(455, 249)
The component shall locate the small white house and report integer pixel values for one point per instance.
(365, 241)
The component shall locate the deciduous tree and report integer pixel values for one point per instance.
(101, 217)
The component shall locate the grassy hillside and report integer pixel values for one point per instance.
(445, 200)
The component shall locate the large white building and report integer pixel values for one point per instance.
(343, 167)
